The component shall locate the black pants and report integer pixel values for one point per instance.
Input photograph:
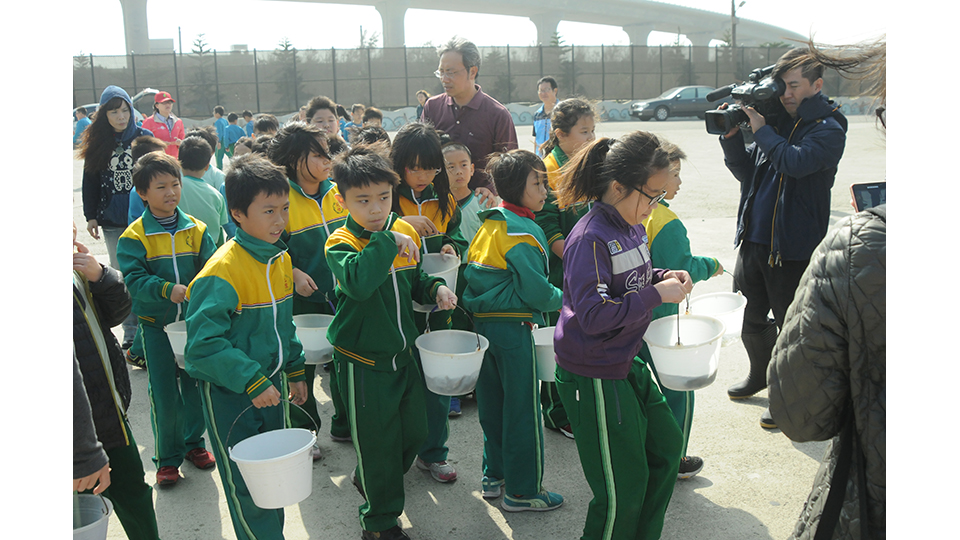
(765, 287)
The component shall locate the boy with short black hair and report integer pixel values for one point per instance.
(82, 122)
(373, 116)
(232, 134)
(375, 257)
(198, 198)
(241, 333)
(248, 123)
(266, 124)
(355, 123)
(220, 123)
(159, 254)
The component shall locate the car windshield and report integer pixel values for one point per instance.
(669, 93)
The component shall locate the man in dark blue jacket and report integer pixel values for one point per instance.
(785, 180)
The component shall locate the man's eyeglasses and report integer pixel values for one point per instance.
(653, 200)
(448, 74)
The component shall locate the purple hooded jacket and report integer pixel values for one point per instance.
(607, 295)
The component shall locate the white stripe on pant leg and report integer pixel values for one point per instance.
(606, 460)
(537, 430)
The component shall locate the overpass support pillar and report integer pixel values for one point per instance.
(546, 24)
(137, 38)
(701, 39)
(392, 14)
(638, 33)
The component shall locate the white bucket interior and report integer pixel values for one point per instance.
(546, 361)
(451, 360)
(726, 306)
(94, 517)
(177, 334)
(693, 364)
(312, 332)
(277, 466)
(441, 266)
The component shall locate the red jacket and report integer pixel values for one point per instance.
(160, 131)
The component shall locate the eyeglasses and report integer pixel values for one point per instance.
(424, 172)
(653, 200)
(448, 74)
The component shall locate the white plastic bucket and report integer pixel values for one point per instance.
(277, 466)
(451, 360)
(726, 306)
(94, 517)
(177, 333)
(441, 266)
(312, 331)
(546, 361)
(693, 364)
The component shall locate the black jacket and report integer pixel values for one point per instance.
(801, 155)
(112, 304)
(829, 366)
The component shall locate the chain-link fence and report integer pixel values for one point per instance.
(280, 81)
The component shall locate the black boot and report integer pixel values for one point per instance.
(759, 348)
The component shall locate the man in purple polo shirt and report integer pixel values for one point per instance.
(465, 113)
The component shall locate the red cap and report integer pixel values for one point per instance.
(162, 97)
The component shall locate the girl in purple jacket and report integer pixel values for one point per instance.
(627, 438)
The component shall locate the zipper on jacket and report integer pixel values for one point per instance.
(273, 304)
(616, 396)
(176, 269)
(774, 258)
(396, 295)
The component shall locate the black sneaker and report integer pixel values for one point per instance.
(393, 533)
(689, 467)
(134, 360)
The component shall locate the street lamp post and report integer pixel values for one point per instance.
(733, 22)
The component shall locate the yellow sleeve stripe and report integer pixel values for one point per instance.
(257, 384)
(297, 373)
(356, 357)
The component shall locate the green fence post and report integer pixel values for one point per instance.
(509, 77)
(333, 63)
(93, 80)
(176, 81)
(216, 76)
(406, 79)
(256, 78)
(133, 68)
(369, 75)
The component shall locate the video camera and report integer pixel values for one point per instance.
(760, 91)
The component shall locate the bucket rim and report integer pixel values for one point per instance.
(176, 327)
(107, 502)
(484, 342)
(313, 439)
(309, 316)
(672, 321)
(743, 303)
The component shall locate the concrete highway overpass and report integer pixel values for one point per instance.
(637, 17)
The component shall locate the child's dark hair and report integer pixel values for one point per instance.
(145, 144)
(362, 165)
(356, 106)
(261, 145)
(630, 160)
(370, 113)
(248, 177)
(246, 141)
(456, 147)
(335, 143)
(417, 145)
(342, 112)
(368, 134)
(195, 153)
(565, 115)
(674, 153)
(152, 165)
(318, 103)
(232, 117)
(208, 133)
(246, 114)
(509, 171)
(266, 122)
(293, 144)
(81, 110)
(219, 110)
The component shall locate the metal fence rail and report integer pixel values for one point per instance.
(280, 81)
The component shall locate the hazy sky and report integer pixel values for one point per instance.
(260, 24)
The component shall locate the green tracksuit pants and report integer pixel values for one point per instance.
(339, 424)
(554, 417)
(680, 403)
(175, 411)
(388, 427)
(629, 448)
(508, 403)
(132, 498)
(222, 410)
(434, 448)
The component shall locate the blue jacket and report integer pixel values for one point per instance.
(800, 155)
(541, 129)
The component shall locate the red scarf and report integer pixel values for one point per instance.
(521, 211)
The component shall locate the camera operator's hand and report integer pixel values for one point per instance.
(757, 120)
(735, 130)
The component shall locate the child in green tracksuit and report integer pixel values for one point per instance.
(375, 259)
(670, 248)
(241, 341)
(302, 150)
(508, 292)
(159, 254)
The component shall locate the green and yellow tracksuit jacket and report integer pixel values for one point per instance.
(240, 330)
(508, 269)
(374, 325)
(670, 248)
(153, 261)
(428, 206)
(557, 222)
(311, 224)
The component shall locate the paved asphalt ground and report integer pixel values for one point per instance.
(754, 481)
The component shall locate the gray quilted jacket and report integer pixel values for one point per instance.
(831, 353)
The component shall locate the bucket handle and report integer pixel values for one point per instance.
(465, 312)
(226, 442)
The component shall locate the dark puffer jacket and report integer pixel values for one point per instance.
(112, 304)
(830, 358)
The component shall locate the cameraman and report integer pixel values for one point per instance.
(785, 180)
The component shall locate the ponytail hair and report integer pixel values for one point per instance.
(630, 160)
(565, 115)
